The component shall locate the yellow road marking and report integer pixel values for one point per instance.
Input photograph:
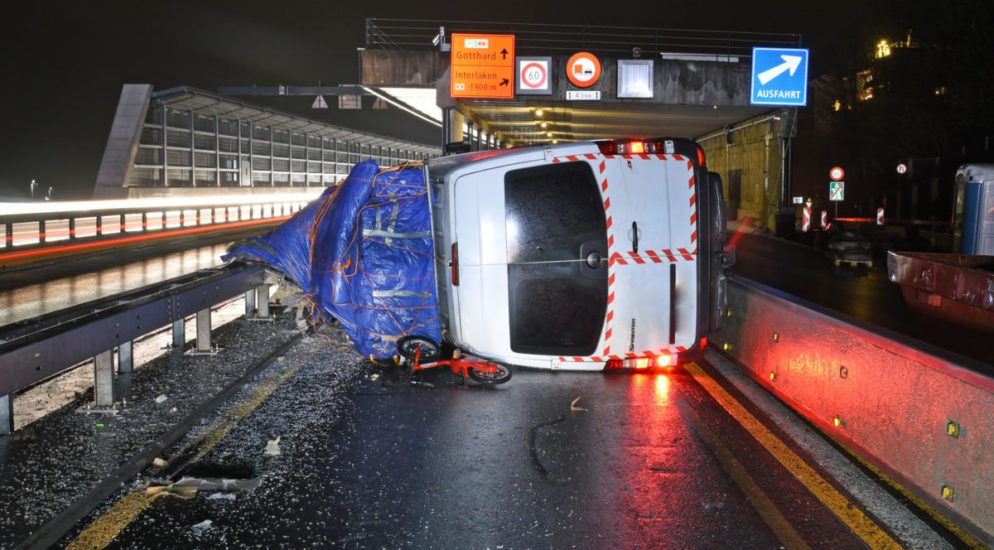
(111, 523)
(968, 539)
(767, 510)
(860, 524)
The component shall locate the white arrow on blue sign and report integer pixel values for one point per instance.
(779, 77)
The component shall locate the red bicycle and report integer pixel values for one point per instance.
(415, 349)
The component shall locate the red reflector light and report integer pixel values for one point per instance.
(454, 263)
(637, 147)
(700, 158)
(613, 364)
(704, 343)
(608, 147)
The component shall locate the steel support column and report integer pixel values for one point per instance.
(103, 379)
(204, 331)
(250, 304)
(179, 333)
(6, 414)
(262, 301)
(125, 359)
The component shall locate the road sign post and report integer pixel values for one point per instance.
(836, 193)
(779, 77)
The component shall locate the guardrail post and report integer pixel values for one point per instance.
(8, 230)
(262, 293)
(125, 359)
(99, 223)
(179, 333)
(250, 304)
(6, 414)
(103, 379)
(204, 330)
(72, 228)
(41, 231)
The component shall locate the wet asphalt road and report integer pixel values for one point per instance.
(380, 463)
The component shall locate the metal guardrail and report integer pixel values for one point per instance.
(404, 34)
(918, 414)
(25, 229)
(36, 349)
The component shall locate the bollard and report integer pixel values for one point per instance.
(880, 216)
(262, 301)
(103, 379)
(824, 220)
(179, 333)
(250, 304)
(6, 414)
(806, 219)
(125, 361)
(204, 331)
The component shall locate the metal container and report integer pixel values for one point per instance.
(955, 287)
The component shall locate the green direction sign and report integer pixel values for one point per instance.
(836, 191)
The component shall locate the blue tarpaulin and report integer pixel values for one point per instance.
(363, 254)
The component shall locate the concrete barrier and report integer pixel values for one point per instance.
(922, 416)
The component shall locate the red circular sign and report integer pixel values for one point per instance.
(533, 76)
(583, 69)
(837, 173)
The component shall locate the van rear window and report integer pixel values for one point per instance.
(551, 210)
(554, 219)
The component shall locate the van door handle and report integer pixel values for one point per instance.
(635, 237)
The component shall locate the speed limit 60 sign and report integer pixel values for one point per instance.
(534, 76)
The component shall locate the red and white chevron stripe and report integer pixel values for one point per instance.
(607, 357)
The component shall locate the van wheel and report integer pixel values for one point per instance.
(408, 348)
(502, 375)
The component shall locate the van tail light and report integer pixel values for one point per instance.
(454, 264)
(701, 161)
(638, 147)
(663, 361)
(704, 343)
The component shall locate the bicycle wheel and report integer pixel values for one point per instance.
(408, 348)
(502, 375)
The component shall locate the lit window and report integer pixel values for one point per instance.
(883, 49)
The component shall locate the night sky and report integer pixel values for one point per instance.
(64, 63)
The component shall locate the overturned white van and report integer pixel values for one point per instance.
(582, 256)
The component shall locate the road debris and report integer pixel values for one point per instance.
(161, 399)
(273, 447)
(576, 408)
(202, 527)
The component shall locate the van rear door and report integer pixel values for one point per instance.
(653, 235)
(556, 259)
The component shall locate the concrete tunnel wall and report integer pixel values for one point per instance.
(749, 156)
